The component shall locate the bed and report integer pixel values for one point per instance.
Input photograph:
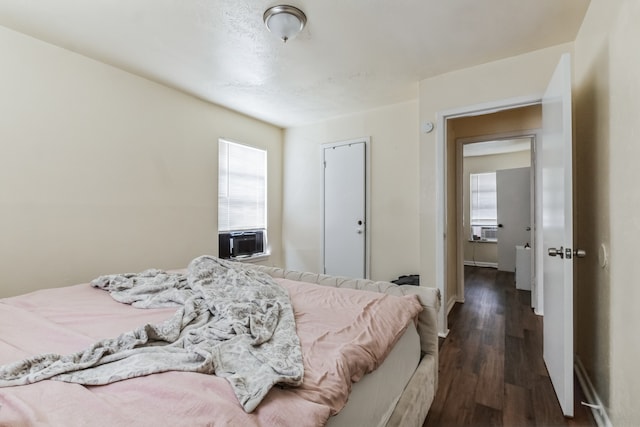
(397, 392)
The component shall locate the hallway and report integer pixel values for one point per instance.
(491, 367)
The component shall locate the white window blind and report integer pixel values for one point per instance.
(484, 205)
(242, 187)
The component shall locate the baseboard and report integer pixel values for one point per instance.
(597, 408)
(450, 305)
(481, 264)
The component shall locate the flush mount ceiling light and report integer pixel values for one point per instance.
(284, 21)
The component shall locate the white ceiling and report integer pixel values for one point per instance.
(353, 55)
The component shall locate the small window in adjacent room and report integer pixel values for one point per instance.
(484, 207)
(242, 200)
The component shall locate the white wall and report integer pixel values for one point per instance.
(102, 171)
(394, 187)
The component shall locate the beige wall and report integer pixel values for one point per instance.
(394, 189)
(607, 108)
(485, 252)
(102, 171)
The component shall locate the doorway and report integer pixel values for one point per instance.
(495, 204)
(554, 166)
(513, 123)
(447, 273)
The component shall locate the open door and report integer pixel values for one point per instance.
(557, 233)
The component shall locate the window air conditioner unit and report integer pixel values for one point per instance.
(241, 244)
(489, 233)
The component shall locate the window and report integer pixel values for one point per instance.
(242, 200)
(484, 207)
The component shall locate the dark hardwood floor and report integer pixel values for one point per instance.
(491, 367)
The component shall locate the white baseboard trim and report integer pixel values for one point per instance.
(450, 305)
(481, 264)
(597, 408)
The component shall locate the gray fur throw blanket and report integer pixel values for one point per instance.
(232, 322)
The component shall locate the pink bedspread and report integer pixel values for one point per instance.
(344, 334)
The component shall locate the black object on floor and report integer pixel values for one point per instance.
(411, 279)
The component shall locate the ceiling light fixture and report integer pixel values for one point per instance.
(284, 21)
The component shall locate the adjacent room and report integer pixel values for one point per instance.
(172, 171)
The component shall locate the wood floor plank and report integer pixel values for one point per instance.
(472, 354)
(514, 309)
(491, 370)
(486, 416)
(517, 407)
(530, 320)
(533, 352)
(494, 334)
(460, 405)
(517, 364)
(490, 390)
(546, 409)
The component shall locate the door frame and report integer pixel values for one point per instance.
(533, 135)
(367, 199)
(441, 186)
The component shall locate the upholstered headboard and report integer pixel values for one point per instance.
(429, 297)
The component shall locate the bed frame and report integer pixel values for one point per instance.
(415, 401)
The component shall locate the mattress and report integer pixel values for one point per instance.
(415, 401)
(374, 397)
(68, 319)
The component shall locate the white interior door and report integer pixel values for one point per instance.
(557, 232)
(345, 210)
(513, 189)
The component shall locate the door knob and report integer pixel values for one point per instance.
(556, 252)
(579, 253)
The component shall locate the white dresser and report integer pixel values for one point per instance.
(523, 268)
